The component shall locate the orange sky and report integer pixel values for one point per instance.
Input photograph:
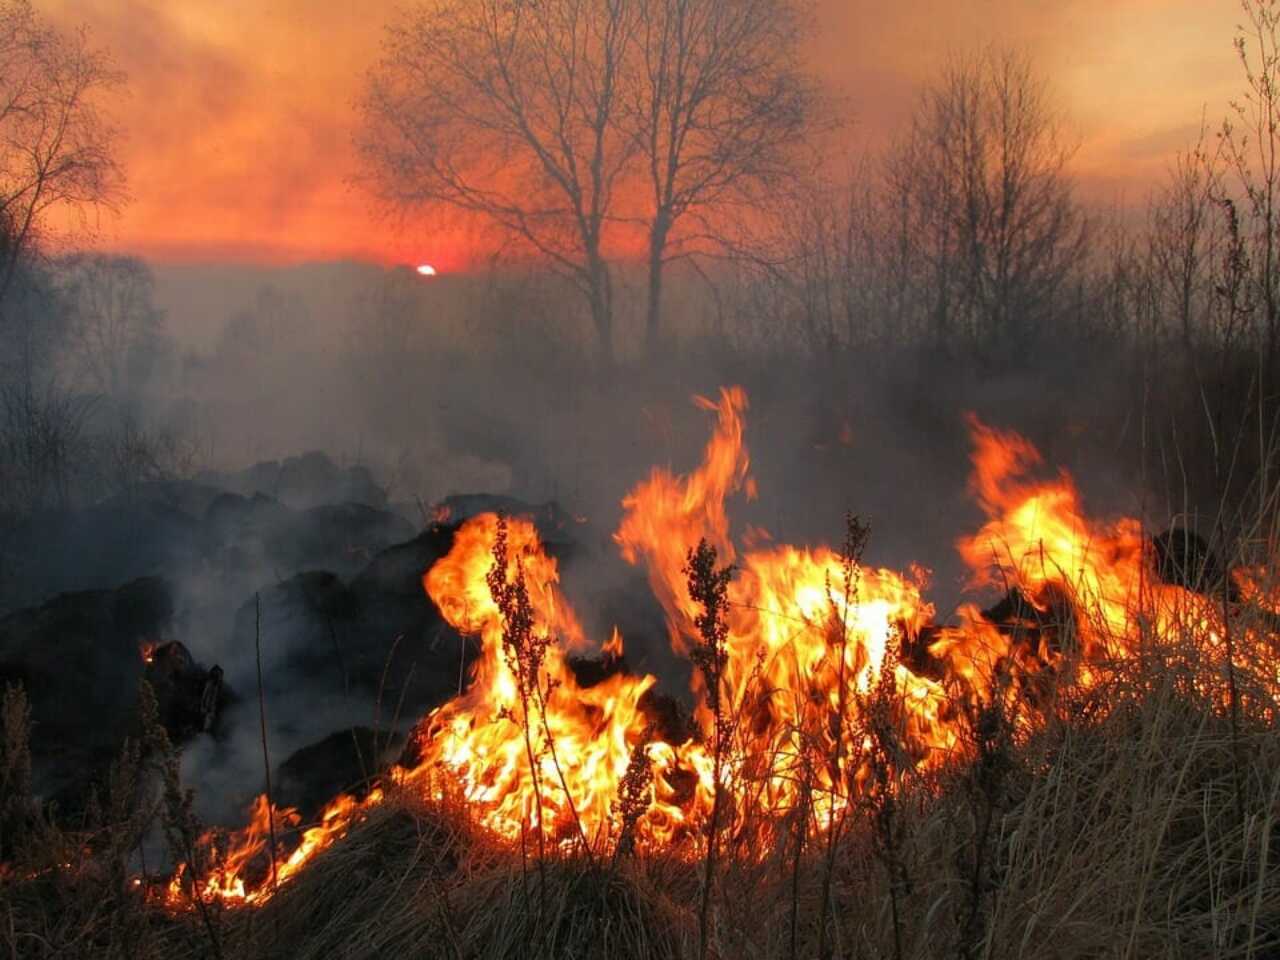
(240, 113)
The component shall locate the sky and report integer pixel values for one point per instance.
(239, 117)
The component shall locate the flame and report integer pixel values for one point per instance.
(248, 853)
(814, 637)
(1259, 586)
(581, 738)
(785, 662)
(612, 648)
(1038, 539)
(666, 515)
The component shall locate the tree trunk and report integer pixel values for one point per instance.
(8, 267)
(601, 302)
(653, 315)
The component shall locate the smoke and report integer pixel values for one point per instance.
(485, 384)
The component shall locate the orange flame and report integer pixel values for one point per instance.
(612, 648)
(583, 737)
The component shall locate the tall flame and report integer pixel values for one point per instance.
(581, 738)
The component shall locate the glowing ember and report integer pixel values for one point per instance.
(814, 636)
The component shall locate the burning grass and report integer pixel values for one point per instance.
(1088, 768)
(1115, 831)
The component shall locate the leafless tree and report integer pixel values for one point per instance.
(717, 103)
(507, 110)
(580, 126)
(823, 264)
(1251, 142)
(1183, 239)
(42, 445)
(115, 322)
(986, 207)
(56, 147)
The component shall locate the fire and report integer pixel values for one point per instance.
(787, 605)
(248, 852)
(667, 515)
(1258, 585)
(1037, 532)
(1096, 579)
(612, 648)
(496, 740)
(816, 639)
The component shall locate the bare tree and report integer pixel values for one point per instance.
(717, 103)
(569, 123)
(115, 323)
(986, 200)
(55, 144)
(826, 263)
(1182, 240)
(506, 110)
(1251, 142)
(42, 447)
